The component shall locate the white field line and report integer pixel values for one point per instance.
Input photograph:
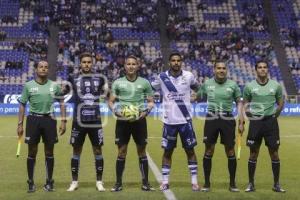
(168, 193)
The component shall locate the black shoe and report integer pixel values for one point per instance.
(205, 187)
(48, 187)
(277, 188)
(147, 187)
(31, 186)
(117, 187)
(250, 188)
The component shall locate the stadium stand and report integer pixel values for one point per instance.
(235, 30)
(288, 18)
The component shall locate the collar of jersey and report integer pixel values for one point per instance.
(219, 82)
(174, 76)
(130, 80)
(40, 83)
(262, 84)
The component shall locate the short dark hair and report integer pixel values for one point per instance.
(219, 61)
(85, 54)
(175, 53)
(261, 61)
(36, 63)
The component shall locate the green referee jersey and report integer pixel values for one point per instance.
(40, 97)
(262, 98)
(220, 96)
(132, 92)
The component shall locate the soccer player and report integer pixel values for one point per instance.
(221, 93)
(131, 90)
(176, 87)
(87, 88)
(41, 94)
(260, 97)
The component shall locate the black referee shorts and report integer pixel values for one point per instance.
(218, 123)
(38, 126)
(264, 127)
(138, 130)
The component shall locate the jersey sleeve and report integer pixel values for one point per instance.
(58, 91)
(148, 89)
(114, 88)
(156, 83)
(237, 92)
(247, 93)
(201, 92)
(24, 96)
(193, 82)
(278, 94)
(103, 87)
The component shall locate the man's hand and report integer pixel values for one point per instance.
(20, 130)
(143, 114)
(62, 127)
(241, 128)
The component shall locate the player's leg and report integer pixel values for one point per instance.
(168, 143)
(275, 168)
(210, 136)
(166, 168)
(96, 138)
(227, 133)
(189, 141)
(76, 140)
(207, 165)
(193, 167)
(99, 163)
(49, 136)
(32, 138)
(272, 140)
(49, 163)
(254, 152)
(122, 134)
(140, 136)
(232, 164)
(75, 162)
(32, 152)
(120, 166)
(254, 140)
(144, 167)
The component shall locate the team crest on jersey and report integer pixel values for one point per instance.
(272, 91)
(139, 86)
(228, 90)
(51, 89)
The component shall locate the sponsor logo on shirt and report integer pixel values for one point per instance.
(35, 89)
(175, 96)
(88, 112)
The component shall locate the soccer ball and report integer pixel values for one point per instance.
(131, 112)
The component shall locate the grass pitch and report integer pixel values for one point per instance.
(13, 173)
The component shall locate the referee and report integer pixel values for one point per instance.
(131, 90)
(260, 97)
(41, 94)
(221, 93)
